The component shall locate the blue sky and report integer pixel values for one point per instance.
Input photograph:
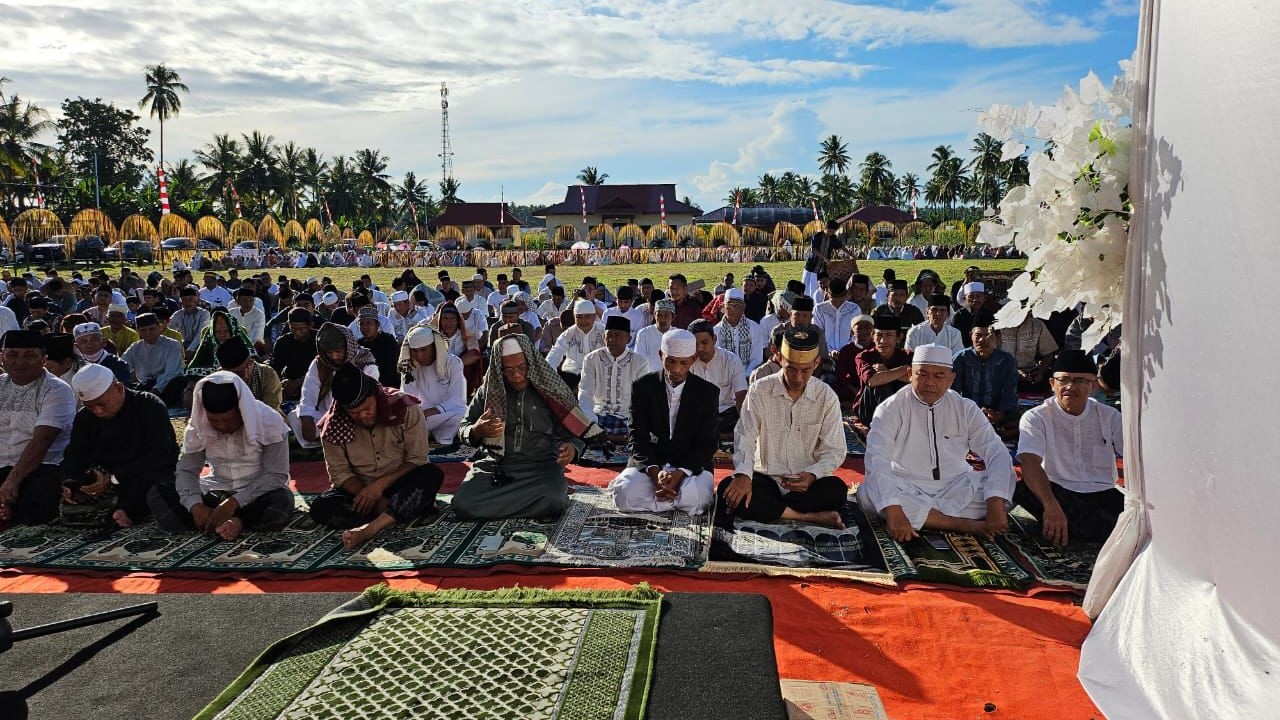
(707, 95)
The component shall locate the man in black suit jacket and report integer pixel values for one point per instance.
(671, 467)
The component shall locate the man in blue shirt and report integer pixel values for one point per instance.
(988, 375)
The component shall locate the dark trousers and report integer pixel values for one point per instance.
(131, 494)
(408, 498)
(38, 497)
(267, 512)
(729, 420)
(570, 379)
(768, 502)
(1090, 516)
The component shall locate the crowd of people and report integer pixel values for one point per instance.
(529, 374)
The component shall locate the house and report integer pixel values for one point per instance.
(616, 206)
(475, 222)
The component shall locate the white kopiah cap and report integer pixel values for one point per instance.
(511, 346)
(399, 296)
(734, 294)
(329, 298)
(974, 287)
(92, 381)
(420, 336)
(679, 343)
(461, 305)
(932, 355)
(584, 307)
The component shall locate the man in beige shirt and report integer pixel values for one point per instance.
(375, 449)
(787, 445)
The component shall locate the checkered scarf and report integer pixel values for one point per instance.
(545, 381)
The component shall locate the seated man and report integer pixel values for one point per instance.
(381, 475)
(384, 346)
(775, 358)
(156, 361)
(918, 477)
(293, 353)
(434, 376)
(908, 315)
(528, 426)
(246, 445)
(1033, 347)
(936, 330)
(974, 296)
(988, 375)
(607, 376)
(882, 369)
(1068, 448)
(120, 433)
(739, 334)
(335, 347)
(36, 411)
(847, 385)
(90, 345)
(673, 436)
(788, 445)
(575, 342)
(117, 331)
(722, 369)
(649, 339)
(233, 356)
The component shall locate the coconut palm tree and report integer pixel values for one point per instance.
(908, 188)
(342, 187)
(768, 188)
(743, 195)
(449, 191)
(260, 171)
(290, 159)
(20, 124)
(836, 195)
(312, 174)
(945, 184)
(221, 159)
(185, 189)
(834, 156)
(591, 176)
(375, 185)
(986, 171)
(877, 184)
(1016, 172)
(163, 86)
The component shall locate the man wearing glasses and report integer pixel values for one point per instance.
(1068, 448)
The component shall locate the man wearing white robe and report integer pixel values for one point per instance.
(437, 382)
(607, 376)
(649, 339)
(917, 474)
(935, 330)
(575, 342)
(403, 314)
(720, 368)
(740, 334)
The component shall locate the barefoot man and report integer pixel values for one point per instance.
(917, 474)
(246, 445)
(788, 444)
(375, 449)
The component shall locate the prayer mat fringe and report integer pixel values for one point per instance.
(382, 595)
(724, 567)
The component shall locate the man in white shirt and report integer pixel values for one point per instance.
(673, 435)
(474, 320)
(833, 316)
(251, 319)
(626, 308)
(403, 314)
(1068, 448)
(882, 290)
(575, 342)
(918, 477)
(498, 296)
(437, 382)
(788, 445)
(740, 334)
(935, 330)
(607, 376)
(156, 361)
(648, 342)
(722, 369)
(213, 294)
(36, 412)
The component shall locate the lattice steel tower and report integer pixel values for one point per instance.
(446, 148)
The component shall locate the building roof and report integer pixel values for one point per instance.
(463, 214)
(618, 200)
(762, 215)
(872, 214)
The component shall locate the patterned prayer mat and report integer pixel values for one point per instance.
(610, 456)
(591, 533)
(1066, 567)
(857, 447)
(462, 454)
(794, 544)
(519, 652)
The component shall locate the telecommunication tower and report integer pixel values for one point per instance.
(446, 148)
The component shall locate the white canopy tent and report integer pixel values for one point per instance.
(1192, 629)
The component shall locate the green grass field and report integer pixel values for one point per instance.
(615, 275)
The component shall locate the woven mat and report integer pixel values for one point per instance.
(591, 533)
(520, 653)
(611, 456)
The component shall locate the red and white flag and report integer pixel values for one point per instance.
(235, 196)
(814, 203)
(413, 209)
(35, 173)
(662, 209)
(582, 192)
(913, 204)
(737, 197)
(328, 212)
(164, 192)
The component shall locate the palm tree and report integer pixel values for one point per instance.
(413, 192)
(591, 176)
(878, 186)
(449, 191)
(185, 191)
(986, 169)
(743, 195)
(908, 188)
(260, 170)
(290, 158)
(946, 183)
(342, 185)
(768, 187)
(1016, 172)
(20, 124)
(834, 156)
(312, 175)
(375, 183)
(163, 85)
(836, 194)
(221, 158)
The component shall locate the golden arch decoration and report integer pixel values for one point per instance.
(602, 235)
(449, 237)
(566, 234)
(5, 236)
(693, 235)
(269, 230)
(813, 227)
(662, 233)
(855, 232)
(883, 232)
(314, 230)
(294, 232)
(755, 236)
(92, 221)
(348, 234)
(722, 233)
(138, 227)
(507, 235)
(175, 226)
(916, 231)
(241, 231)
(37, 225)
(631, 235)
(211, 228)
(477, 234)
(785, 232)
(364, 239)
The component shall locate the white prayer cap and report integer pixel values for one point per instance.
(329, 298)
(932, 355)
(584, 307)
(92, 381)
(513, 290)
(461, 305)
(511, 346)
(477, 278)
(734, 294)
(115, 307)
(974, 287)
(679, 343)
(420, 336)
(548, 278)
(87, 328)
(859, 319)
(399, 296)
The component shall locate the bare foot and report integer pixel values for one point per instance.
(231, 529)
(355, 537)
(122, 519)
(5, 512)
(829, 518)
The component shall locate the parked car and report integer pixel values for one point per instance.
(136, 250)
(89, 247)
(50, 252)
(177, 243)
(208, 245)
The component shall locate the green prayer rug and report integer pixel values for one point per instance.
(592, 532)
(523, 653)
(1065, 567)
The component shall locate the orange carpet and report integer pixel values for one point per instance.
(933, 654)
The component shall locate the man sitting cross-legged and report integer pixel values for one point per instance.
(375, 449)
(673, 435)
(788, 445)
(918, 477)
(120, 433)
(1068, 448)
(721, 368)
(528, 425)
(435, 377)
(36, 411)
(246, 445)
(607, 376)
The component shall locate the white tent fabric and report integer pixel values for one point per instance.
(1192, 629)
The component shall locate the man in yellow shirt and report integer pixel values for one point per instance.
(117, 331)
